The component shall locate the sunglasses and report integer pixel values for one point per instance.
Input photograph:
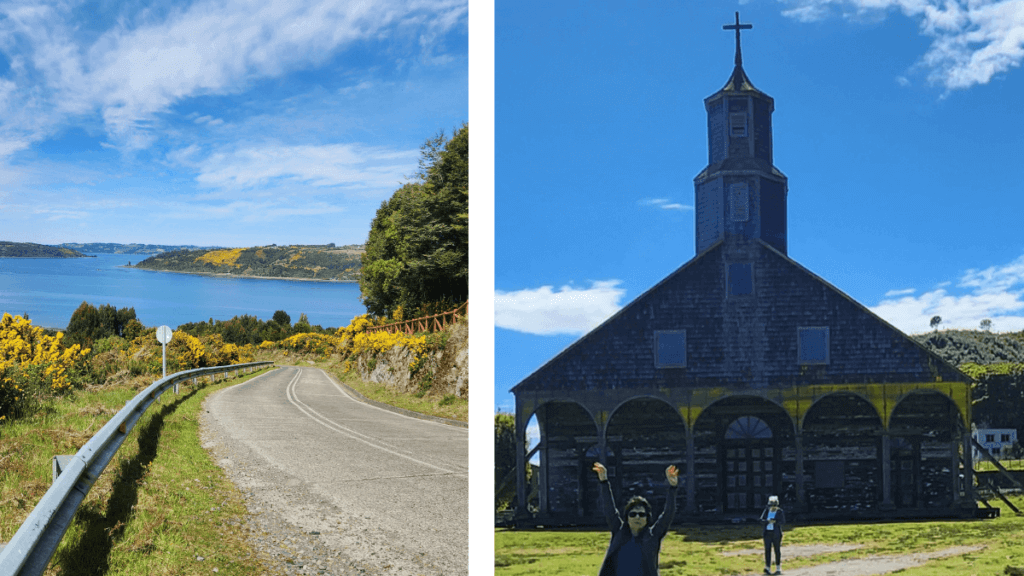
(638, 514)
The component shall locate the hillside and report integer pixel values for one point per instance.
(30, 250)
(974, 346)
(319, 262)
(114, 248)
(995, 362)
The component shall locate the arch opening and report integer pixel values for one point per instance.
(842, 442)
(926, 432)
(644, 436)
(566, 431)
(744, 451)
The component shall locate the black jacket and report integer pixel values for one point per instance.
(780, 520)
(650, 536)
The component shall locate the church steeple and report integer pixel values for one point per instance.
(740, 192)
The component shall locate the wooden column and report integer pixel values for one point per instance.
(968, 465)
(691, 475)
(798, 440)
(521, 464)
(886, 471)
(954, 448)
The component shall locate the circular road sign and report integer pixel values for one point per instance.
(163, 334)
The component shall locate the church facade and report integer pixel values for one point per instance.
(749, 373)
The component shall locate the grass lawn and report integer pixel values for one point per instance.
(160, 505)
(698, 550)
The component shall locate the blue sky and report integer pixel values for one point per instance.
(897, 123)
(232, 123)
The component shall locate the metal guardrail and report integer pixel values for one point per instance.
(30, 550)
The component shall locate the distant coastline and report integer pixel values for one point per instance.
(33, 250)
(325, 263)
(227, 275)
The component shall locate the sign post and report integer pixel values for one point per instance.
(163, 336)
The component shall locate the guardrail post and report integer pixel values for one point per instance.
(59, 463)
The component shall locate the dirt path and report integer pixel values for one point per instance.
(800, 550)
(861, 566)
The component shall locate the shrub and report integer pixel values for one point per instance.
(34, 363)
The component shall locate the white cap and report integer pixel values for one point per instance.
(773, 500)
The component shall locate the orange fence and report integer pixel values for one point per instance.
(426, 323)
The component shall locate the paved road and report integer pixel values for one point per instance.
(383, 489)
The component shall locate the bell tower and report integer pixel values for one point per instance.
(740, 192)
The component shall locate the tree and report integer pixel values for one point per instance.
(417, 251)
(89, 323)
(282, 318)
(505, 459)
(936, 320)
(986, 324)
(302, 325)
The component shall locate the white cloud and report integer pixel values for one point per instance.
(546, 312)
(364, 85)
(972, 40)
(996, 293)
(143, 65)
(665, 204)
(903, 292)
(352, 166)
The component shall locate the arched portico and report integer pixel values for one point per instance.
(567, 432)
(841, 437)
(743, 452)
(926, 432)
(643, 437)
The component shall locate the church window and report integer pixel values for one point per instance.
(670, 348)
(748, 428)
(738, 124)
(739, 202)
(741, 279)
(812, 345)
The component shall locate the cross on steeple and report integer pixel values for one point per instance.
(737, 27)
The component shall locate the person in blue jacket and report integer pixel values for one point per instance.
(636, 541)
(773, 519)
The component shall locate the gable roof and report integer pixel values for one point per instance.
(741, 340)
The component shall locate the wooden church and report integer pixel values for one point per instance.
(750, 373)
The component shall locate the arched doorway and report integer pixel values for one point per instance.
(751, 464)
(925, 433)
(644, 436)
(842, 444)
(743, 453)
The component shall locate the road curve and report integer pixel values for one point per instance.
(384, 491)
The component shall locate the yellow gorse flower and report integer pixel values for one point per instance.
(26, 348)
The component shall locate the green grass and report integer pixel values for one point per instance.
(697, 550)
(984, 465)
(443, 406)
(161, 502)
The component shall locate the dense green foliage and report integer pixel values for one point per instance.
(89, 324)
(320, 262)
(504, 459)
(417, 252)
(245, 329)
(995, 362)
(30, 250)
(974, 347)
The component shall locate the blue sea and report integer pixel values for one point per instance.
(50, 289)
